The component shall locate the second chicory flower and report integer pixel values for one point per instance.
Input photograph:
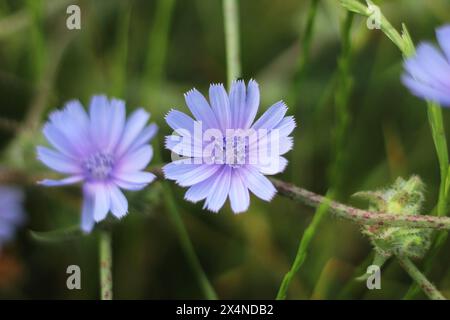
(103, 150)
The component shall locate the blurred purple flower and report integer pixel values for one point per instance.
(103, 150)
(231, 164)
(12, 214)
(428, 71)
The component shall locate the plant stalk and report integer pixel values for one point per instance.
(106, 280)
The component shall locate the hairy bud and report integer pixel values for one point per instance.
(404, 197)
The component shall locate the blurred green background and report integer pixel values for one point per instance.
(149, 53)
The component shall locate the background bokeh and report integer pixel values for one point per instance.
(149, 53)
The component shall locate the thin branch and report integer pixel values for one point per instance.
(428, 288)
(360, 216)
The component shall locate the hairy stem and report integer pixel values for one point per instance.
(358, 215)
(231, 24)
(106, 281)
(427, 287)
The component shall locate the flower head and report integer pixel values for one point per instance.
(12, 214)
(102, 149)
(404, 197)
(428, 71)
(225, 153)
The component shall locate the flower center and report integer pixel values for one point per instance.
(98, 166)
(233, 152)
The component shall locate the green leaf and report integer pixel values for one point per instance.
(66, 234)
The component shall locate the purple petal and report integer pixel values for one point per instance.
(238, 103)
(220, 105)
(219, 191)
(286, 144)
(116, 122)
(268, 147)
(433, 62)
(129, 185)
(59, 141)
(258, 184)
(415, 70)
(272, 117)
(272, 166)
(183, 146)
(100, 193)
(426, 92)
(6, 232)
(63, 182)
(72, 122)
(179, 120)
(135, 160)
(176, 169)
(137, 178)
(252, 104)
(286, 126)
(12, 213)
(57, 161)
(443, 36)
(76, 112)
(11, 206)
(200, 108)
(239, 195)
(133, 128)
(99, 114)
(145, 136)
(119, 204)
(188, 174)
(87, 213)
(10, 195)
(202, 189)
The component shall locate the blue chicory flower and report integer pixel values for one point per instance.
(225, 153)
(12, 214)
(103, 150)
(428, 71)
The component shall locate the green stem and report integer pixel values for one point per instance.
(304, 56)
(428, 288)
(106, 281)
(186, 244)
(183, 236)
(231, 25)
(158, 46)
(342, 105)
(302, 249)
(438, 133)
(155, 63)
(342, 96)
